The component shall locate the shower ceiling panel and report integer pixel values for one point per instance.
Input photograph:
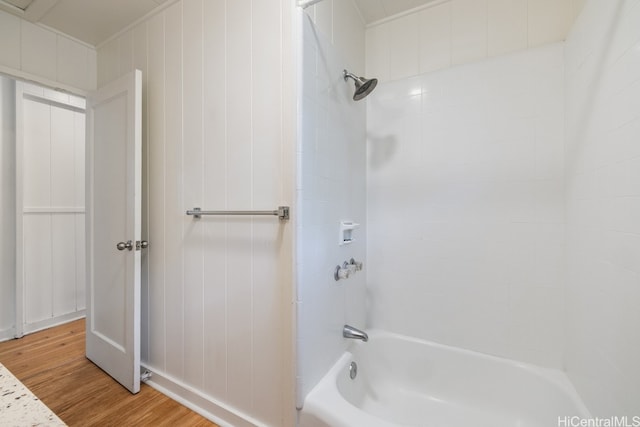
(375, 10)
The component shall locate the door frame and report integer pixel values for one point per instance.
(19, 308)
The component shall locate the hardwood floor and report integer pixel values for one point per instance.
(52, 364)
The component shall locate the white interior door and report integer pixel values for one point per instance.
(113, 203)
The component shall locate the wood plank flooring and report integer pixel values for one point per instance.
(53, 365)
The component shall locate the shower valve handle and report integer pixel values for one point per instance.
(341, 273)
(357, 265)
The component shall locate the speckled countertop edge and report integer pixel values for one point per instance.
(19, 407)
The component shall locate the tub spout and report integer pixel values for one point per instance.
(354, 333)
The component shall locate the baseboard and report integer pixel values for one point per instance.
(218, 412)
(54, 321)
(7, 334)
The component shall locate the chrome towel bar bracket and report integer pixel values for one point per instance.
(282, 213)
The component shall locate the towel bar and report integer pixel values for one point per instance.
(282, 213)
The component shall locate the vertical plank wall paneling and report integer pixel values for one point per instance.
(63, 279)
(33, 52)
(63, 189)
(156, 320)
(38, 267)
(215, 232)
(239, 232)
(52, 208)
(266, 183)
(173, 204)
(37, 192)
(217, 292)
(8, 202)
(193, 192)
(37, 171)
(79, 195)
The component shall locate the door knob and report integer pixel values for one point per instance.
(121, 246)
(141, 244)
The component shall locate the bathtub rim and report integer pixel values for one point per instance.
(556, 375)
(326, 399)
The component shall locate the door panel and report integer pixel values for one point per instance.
(113, 216)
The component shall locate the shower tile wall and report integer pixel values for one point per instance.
(465, 206)
(331, 187)
(461, 31)
(603, 207)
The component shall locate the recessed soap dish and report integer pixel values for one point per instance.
(346, 232)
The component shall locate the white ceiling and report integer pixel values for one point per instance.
(94, 21)
(20, 4)
(375, 10)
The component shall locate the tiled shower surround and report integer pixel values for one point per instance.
(331, 189)
(465, 206)
(602, 347)
(503, 200)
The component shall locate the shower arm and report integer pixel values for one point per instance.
(306, 3)
(348, 75)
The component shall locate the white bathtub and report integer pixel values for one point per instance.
(404, 381)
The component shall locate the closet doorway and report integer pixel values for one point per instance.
(48, 192)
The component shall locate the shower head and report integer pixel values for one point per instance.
(363, 86)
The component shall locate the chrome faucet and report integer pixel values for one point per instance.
(351, 332)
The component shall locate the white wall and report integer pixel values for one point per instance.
(7, 213)
(453, 32)
(29, 51)
(603, 206)
(465, 206)
(51, 146)
(218, 134)
(331, 187)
